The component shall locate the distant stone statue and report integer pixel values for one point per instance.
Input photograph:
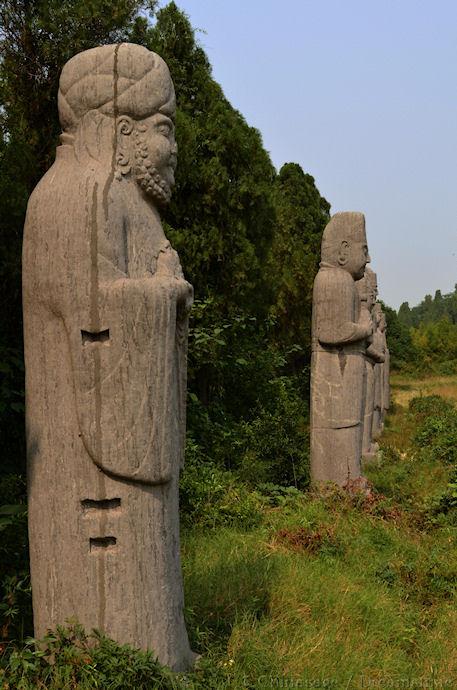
(368, 290)
(105, 311)
(339, 332)
(385, 370)
(379, 344)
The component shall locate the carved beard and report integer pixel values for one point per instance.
(148, 177)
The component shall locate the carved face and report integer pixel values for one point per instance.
(354, 257)
(155, 156)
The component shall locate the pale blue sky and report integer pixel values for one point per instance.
(363, 94)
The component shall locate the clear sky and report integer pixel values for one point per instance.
(363, 94)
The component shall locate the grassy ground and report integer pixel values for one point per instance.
(336, 591)
(329, 590)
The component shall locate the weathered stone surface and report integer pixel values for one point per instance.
(105, 322)
(368, 290)
(338, 370)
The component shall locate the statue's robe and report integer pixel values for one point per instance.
(105, 351)
(373, 357)
(378, 344)
(337, 378)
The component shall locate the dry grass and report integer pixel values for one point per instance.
(404, 388)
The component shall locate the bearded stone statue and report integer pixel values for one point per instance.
(340, 329)
(105, 319)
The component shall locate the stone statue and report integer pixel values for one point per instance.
(368, 290)
(105, 311)
(379, 343)
(385, 370)
(339, 332)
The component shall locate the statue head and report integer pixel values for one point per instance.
(117, 107)
(344, 243)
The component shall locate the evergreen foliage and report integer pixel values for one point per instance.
(302, 214)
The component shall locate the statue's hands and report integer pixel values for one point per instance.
(185, 295)
(367, 323)
(169, 271)
(168, 264)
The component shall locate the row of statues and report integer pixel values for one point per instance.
(105, 326)
(350, 358)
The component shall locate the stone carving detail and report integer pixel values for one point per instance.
(340, 328)
(105, 314)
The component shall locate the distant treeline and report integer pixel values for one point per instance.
(424, 337)
(430, 310)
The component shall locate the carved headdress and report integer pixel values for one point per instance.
(344, 226)
(118, 79)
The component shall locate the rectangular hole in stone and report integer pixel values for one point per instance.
(101, 542)
(95, 336)
(103, 504)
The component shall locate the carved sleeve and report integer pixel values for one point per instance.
(375, 354)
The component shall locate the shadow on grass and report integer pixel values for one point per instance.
(224, 583)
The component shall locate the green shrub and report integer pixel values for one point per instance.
(69, 658)
(274, 446)
(436, 431)
(437, 435)
(280, 496)
(440, 508)
(15, 594)
(426, 405)
(211, 496)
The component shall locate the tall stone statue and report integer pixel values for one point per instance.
(379, 343)
(105, 310)
(368, 290)
(340, 329)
